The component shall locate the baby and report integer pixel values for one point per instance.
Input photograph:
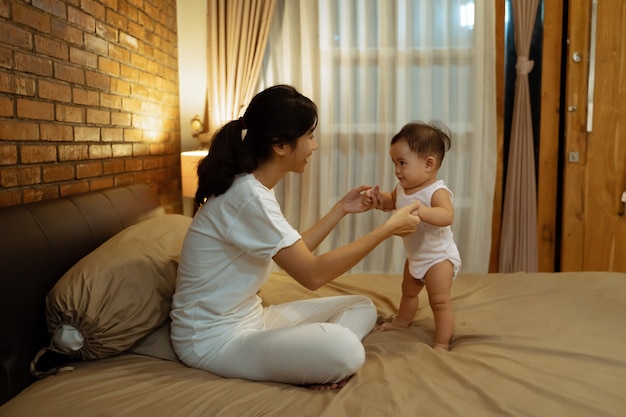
(433, 259)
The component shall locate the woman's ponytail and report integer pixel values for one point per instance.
(226, 159)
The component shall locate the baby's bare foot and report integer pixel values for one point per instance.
(394, 324)
(441, 346)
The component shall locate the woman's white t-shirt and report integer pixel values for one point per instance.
(226, 258)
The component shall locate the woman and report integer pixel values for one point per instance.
(218, 322)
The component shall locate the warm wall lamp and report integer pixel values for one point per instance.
(196, 126)
(189, 166)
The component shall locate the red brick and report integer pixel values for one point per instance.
(124, 179)
(74, 188)
(131, 105)
(120, 119)
(93, 8)
(81, 19)
(108, 66)
(72, 74)
(31, 109)
(86, 134)
(110, 101)
(71, 114)
(100, 183)
(9, 197)
(16, 84)
(54, 7)
(97, 80)
(101, 117)
(63, 31)
(4, 8)
(83, 58)
(51, 47)
(133, 165)
(33, 64)
(107, 32)
(20, 176)
(56, 132)
(138, 31)
(8, 154)
(6, 107)
(6, 57)
(39, 193)
(120, 150)
(129, 41)
(88, 170)
(119, 54)
(113, 166)
(120, 87)
(100, 151)
(133, 135)
(73, 153)
(116, 20)
(14, 130)
(35, 154)
(12, 35)
(140, 149)
(57, 173)
(96, 44)
(129, 73)
(31, 17)
(112, 135)
(86, 97)
(55, 91)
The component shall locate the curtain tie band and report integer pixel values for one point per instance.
(524, 66)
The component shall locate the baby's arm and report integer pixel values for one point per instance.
(385, 201)
(441, 212)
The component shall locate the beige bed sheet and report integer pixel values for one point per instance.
(524, 345)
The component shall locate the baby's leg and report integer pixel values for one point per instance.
(409, 302)
(438, 284)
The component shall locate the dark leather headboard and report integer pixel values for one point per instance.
(39, 242)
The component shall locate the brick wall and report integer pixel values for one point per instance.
(88, 98)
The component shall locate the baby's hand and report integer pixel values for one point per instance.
(367, 199)
(377, 198)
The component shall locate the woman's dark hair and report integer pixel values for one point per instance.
(426, 139)
(277, 115)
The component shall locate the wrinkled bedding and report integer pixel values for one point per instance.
(543, 344)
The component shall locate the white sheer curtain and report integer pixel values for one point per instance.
(372, 66)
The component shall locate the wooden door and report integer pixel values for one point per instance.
(594, 171)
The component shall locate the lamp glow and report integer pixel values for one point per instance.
(189, 166)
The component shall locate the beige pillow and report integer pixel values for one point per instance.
(119, 293)
(156, 344)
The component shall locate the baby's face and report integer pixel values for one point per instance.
(411, 170)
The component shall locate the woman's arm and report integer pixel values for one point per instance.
(350, 203)
(314, 271)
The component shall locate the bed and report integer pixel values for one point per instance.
(541, 344)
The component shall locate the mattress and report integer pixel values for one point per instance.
(541, 344)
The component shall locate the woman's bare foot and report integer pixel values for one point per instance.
(394, 324)
(328, 387)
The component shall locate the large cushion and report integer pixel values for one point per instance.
(118, 293)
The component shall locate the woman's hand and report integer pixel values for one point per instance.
(355, 201)
(405, 220)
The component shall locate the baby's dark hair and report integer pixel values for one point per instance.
(426, 139)
(278, 115)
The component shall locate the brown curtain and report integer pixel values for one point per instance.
(237, 35)
(518, 244)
